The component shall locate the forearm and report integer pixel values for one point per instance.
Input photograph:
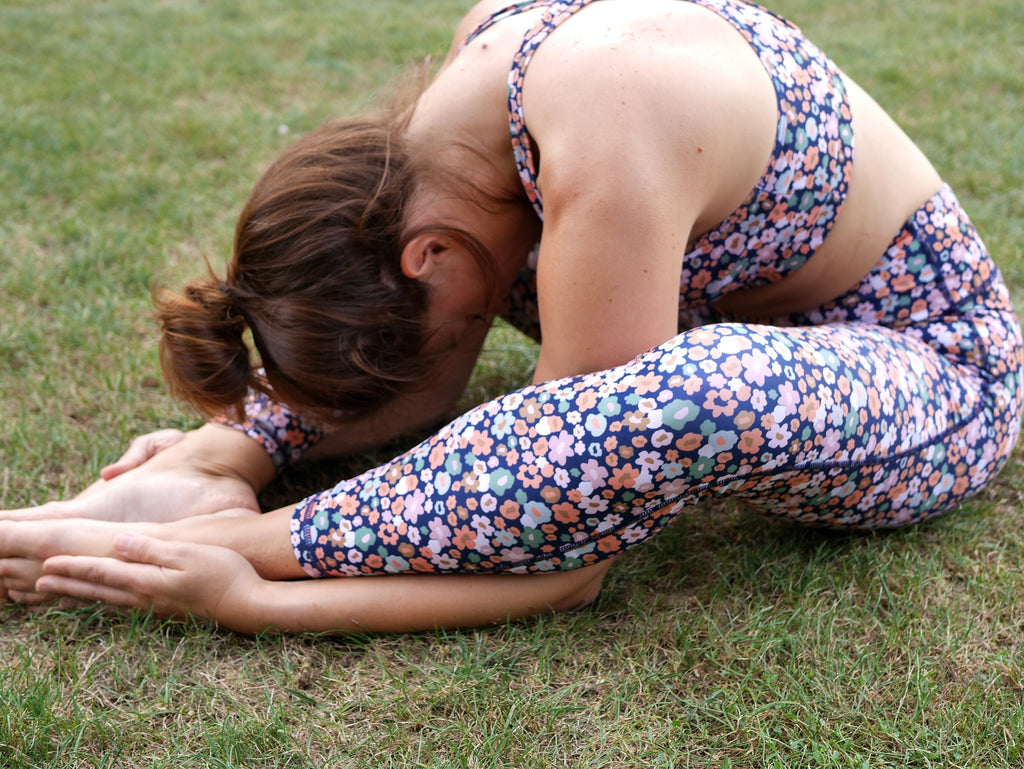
(409, 603)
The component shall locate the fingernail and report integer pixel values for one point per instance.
(122, 542)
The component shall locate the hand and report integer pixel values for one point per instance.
(18, 582)
(172, 579)
(141, 450)
(167, 476)
(24, 545)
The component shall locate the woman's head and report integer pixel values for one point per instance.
(317, 279)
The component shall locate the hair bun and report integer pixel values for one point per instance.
(203, 353)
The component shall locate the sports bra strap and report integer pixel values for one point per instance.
(555, 12)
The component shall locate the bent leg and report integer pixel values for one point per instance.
(904, 399)
(823, 425)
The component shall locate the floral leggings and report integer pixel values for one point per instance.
(885, 407)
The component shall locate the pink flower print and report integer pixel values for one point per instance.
(756, 366)
(560, 447)
(674, 488)
(445, 562)
(788, 397)
(482, 525)
(778, 437)
(594, 472)
(512, 554)
(440, 535)
(651, 460)
(661, 438)
(716, 380)
(634, 534)
(414, 507)
(279, 418)
(736, 243)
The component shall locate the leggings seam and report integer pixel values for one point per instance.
(696, 492)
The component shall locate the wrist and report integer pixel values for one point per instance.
(223, 452)
(258, 611)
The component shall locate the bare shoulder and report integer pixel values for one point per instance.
(669, 89)
(474, 16)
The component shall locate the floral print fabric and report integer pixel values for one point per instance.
(282, 432)
(885, 407)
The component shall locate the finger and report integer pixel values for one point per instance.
(41, 513)
(30, 598)
(91, 592)
(12, 539)
(141, 549)
(22, 539)
(140, 451)
(19, 574)
(98, 579)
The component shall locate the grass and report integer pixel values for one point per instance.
(129, 134)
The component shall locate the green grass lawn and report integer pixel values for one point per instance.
(130, 132)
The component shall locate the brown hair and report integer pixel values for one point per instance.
(316, 278)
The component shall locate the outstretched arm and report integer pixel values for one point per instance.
(175, 579)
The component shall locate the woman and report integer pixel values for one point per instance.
(750, 282)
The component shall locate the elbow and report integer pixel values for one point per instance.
(581, 588)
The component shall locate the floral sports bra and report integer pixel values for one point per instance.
(794, 205)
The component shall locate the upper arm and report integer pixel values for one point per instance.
(620, 202)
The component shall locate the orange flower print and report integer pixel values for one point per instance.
(465, 538)
(751, 441)
(624, 477)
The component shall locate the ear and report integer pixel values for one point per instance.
(421, 255)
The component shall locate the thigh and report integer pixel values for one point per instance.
(902, 434)
(940, 300)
